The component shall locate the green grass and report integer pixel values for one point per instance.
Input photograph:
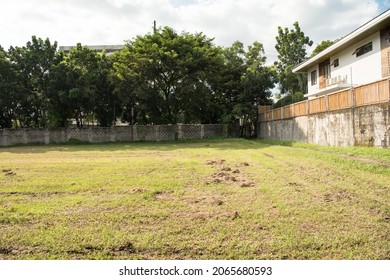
(209, 199)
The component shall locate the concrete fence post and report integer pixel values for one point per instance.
(135, 133)
(47, 136)
(90, 135)
(26, 138)
(225, 131)
(180, 131)
(201, 131)
(4, 137)
(113, 133)
(157, 132)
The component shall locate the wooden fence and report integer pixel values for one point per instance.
(373, 93)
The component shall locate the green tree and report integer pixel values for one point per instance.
(322, 46)
(33, 63)
(80, 89)
(60, 104)
(256, 84)
(230, 80)
(291, 46)
(76, 89)
(107, 104)
(9, 89)
(168, 77)
(289, 99)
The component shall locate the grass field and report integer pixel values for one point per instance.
(214, 199)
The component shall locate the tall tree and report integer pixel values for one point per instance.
(168, 76)
(230, 79)
(60, 104)
(33, 62)
(256, 84)
(9, 90)
(291, 46)
(107, 105)
(75, 82)
(80, 88)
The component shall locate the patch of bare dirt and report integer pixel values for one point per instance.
(273, 210)
(8, 172)
(12, 251)
(207, 200)
(124, 249)
(215, 162)
(5, 251)
(292, 184)
(309, 227)
(137, 191)
(337, 196)
(163, 195)
(231, 175)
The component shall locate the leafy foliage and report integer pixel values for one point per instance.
(256, 82)
(168, 77)
(162, 78)
(32, 64)
(322, 46)
(291, 46)
(289, 99)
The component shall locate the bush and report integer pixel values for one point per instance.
(288, 99)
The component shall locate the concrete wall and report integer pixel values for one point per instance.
(367, 126)
(10, 137)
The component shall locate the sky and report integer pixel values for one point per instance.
(106, 22)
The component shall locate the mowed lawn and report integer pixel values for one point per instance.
(209, 199)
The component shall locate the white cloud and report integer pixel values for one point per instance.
(114, 21)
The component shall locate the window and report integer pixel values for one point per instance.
(335, 63)
(314, 77)
(327, 71)
(363, 49)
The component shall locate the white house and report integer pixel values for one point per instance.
(359, 58)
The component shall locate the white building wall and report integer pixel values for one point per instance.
(365, 68)
(316, 87)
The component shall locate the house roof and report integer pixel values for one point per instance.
(369, 28)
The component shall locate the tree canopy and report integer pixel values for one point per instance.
(164, 77)
(322, 46)
(291, 46)
(168, 77)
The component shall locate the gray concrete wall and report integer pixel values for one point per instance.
(366, 126)
(9, 137)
